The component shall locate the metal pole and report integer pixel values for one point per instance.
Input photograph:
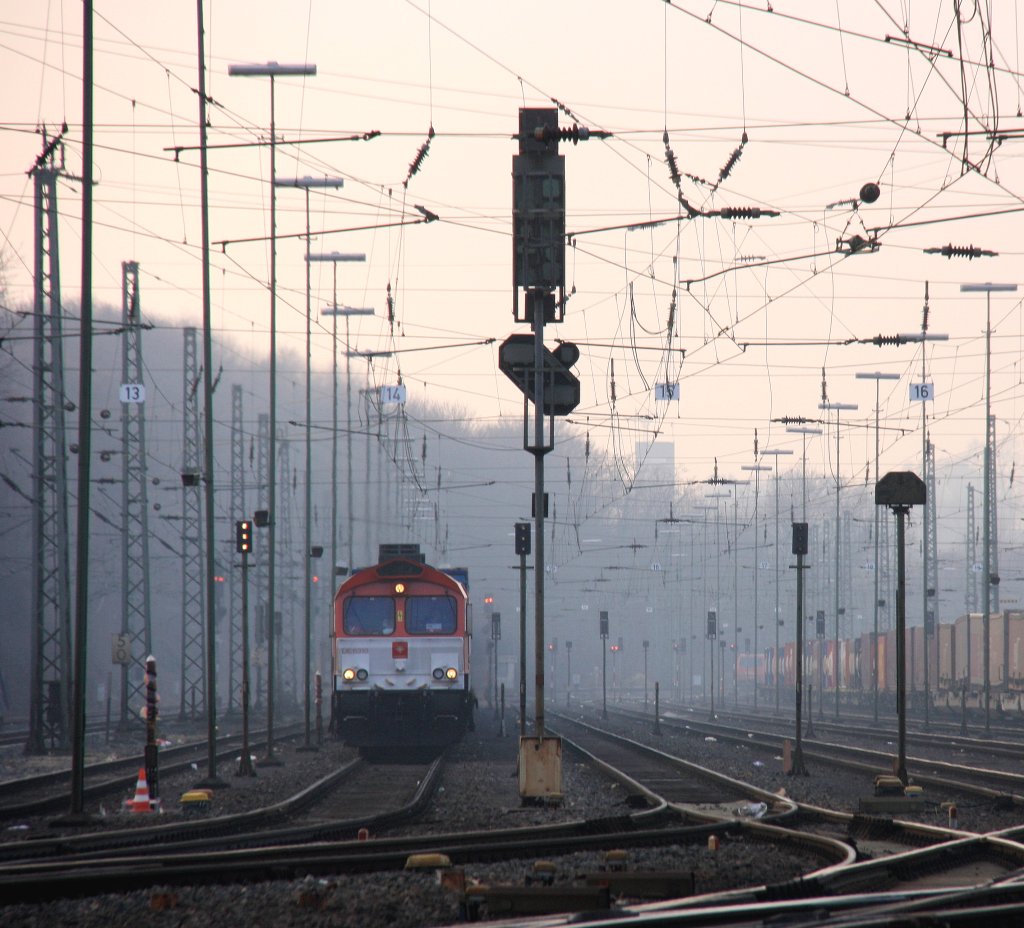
(987, 516)
(877, 377)
(757, 468)
(568, 674)
(735, 601)
(798, 756)
(647, 644)
(212, 780)
(987, 289)
(245, 768)
(522, 644)
(539, 450)
(84, 430)
(776, 670)
(901, 646)
(838, 407)
(307, 629)
(604, 677)
(272, 70)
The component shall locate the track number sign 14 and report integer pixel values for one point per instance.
(392, 395)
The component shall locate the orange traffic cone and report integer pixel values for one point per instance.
(141, 802)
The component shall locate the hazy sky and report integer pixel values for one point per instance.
(829, 97)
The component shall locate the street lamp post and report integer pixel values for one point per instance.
(838, 407)
(900, 490)
(776, 673)
(305, 184)
(877, 377)
(756, 468)
(988, 289)
(273, 70)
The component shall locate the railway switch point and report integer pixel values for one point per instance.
(616, 859)
(543, 872)
(428, 861)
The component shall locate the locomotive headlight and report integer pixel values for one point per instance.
(451, 673)
(361, 674)
(348, 674)
(439, 673)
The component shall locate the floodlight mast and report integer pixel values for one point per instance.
(273, 70)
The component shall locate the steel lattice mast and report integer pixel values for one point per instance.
(135, 589)
(971, 580)
(931, 567)
(846, 611)
(262, 555)
(192, 587)
(884, 581)
(50, 697)
(290, 571)
(238, 511)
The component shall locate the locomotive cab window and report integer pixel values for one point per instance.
(430, 615)
(369, 615)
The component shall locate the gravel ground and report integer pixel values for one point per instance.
(479, 790)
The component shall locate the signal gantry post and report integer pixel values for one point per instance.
(800, 550)
(543, 376)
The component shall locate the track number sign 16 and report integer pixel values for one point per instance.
(922, 392)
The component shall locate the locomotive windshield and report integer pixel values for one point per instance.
(430, 615)
(369, 615)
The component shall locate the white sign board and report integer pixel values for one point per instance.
(666, 391)
(133, 393)
(121, 649)
(922, 392)
(392, 395)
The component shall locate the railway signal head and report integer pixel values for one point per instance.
(243, 536)
(523, 538)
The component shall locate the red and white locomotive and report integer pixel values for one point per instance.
(401, 655)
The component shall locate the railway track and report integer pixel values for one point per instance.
(1005, 745)
(303, 846)
(47, 793)
(1004, 787)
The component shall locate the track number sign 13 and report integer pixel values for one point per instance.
(133, 393)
